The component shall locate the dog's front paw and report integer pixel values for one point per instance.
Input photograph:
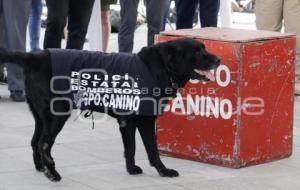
(168, 173)
(40, 168)
(52, 175)
(134, 170)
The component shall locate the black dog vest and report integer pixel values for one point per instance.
(118, 82)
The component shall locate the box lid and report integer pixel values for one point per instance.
(227, 34)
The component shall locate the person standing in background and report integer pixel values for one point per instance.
(166, 14)
(34, 24)
(106, 26)
(2, 73)
(14, 16)
(273, 14)
(155, 14)
(208, 10)
(78, 13)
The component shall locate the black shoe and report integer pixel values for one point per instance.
(17, 96)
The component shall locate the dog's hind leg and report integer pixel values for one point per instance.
(36, 137)
(128, 129)
(146, 127)
(52, 126)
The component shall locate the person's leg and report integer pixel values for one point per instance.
(128, 22)
(185, 13)
(155, 17)
(291, 10)
(2, 39)
(34, 24)
(269, 14)
(209, 12)
(2, 43)
(56, 21)
(106, 27)
(166, 14)
(15, 20)
(105, 20)
(78, 21)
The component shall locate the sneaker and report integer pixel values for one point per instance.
(17, 96)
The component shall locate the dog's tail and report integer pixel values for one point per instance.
(16, 57)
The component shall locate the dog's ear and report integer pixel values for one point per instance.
(153, 60)
(149, 53)
(173, 56)
(169, 50)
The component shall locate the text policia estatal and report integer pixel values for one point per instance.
(99, 89)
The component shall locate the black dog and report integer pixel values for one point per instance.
(172, 64)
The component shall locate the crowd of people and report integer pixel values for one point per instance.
(74, 16)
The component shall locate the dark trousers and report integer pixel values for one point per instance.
(166, 14)
(155, 13)
(13, 21)
(208, 10)
(78, 13)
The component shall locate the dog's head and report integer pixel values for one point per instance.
(187, 59)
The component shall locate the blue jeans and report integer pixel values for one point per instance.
(14, 14)
(34, 23)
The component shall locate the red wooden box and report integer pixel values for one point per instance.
(246, 116)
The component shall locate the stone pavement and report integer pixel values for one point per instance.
(93, 159)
